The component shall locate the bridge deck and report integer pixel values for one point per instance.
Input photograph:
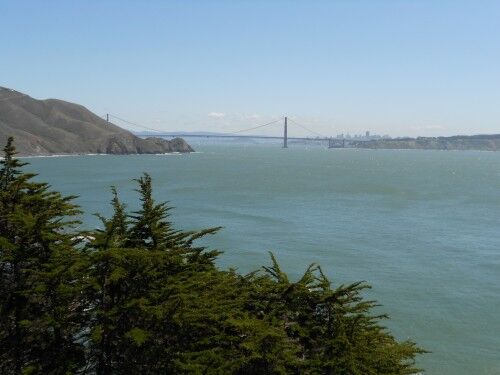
(239, 136)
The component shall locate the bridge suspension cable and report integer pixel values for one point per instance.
(307, 129)
(161, 131)
(256, 127)
(134, 123)
(229, 133)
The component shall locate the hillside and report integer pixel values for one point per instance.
(474, 142)
(51, 126)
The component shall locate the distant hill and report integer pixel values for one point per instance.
(481, 142)
(51, 126)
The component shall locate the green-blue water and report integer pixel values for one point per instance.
(423, 227)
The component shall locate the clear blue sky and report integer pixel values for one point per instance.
(407, 67)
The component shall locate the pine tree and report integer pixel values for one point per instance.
(334, 327)
(151, 228)
(39, 307)
(136, 261)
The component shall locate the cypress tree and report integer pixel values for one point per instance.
(151, 228)
(39, 306)
(335, 328)
(137, 262)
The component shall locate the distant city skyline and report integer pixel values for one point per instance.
(403, 68)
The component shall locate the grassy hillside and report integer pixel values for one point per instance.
(44, 127)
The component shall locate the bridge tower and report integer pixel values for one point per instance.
(285, 134)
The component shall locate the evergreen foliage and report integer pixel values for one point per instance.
(39, 305)
(139, 297)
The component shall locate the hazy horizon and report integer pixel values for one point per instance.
(402, 68)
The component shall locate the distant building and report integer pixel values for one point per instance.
(367, 136)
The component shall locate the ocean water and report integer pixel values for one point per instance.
(422, 227)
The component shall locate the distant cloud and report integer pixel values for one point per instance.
(216, 115)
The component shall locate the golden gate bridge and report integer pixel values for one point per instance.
(332, 142)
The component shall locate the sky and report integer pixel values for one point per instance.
(403, 68)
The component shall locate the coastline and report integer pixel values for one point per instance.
(21, 156)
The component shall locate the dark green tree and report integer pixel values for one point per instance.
(137, 264)
(335, 328)
(40, 309)
(152, 229)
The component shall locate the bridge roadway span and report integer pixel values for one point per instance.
(240, 136)
(332, 142)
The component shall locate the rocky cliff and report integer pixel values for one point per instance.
(44, 127)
